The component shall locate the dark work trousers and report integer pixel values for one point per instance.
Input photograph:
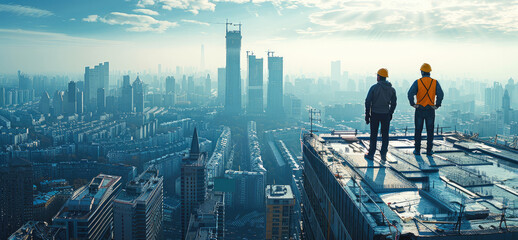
(424, 114)
(376, 120)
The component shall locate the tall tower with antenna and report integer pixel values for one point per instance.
(233, 69)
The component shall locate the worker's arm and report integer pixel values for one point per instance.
(440, 94)
(393, 102)
(412, 92)
(368, 101)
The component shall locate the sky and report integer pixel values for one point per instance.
(459, 38)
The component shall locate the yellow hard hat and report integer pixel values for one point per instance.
(426, 67)
(383, 72)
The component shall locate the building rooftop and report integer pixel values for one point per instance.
(43, 198)
(423, 195)
(140, 188)
(89, 197)
(279, 192)
(35, 230)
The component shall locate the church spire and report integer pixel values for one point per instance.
(195, 146)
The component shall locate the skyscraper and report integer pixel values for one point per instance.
(190, 84)
(127, 94)
(2, 97)
(88, 214)
(233, 71)
(95, 78)
(275, 85)
(255, 85)
(336, 73)
(193, 182)
(79, 102)
(221, 85)
(101, 100)
(170, 83)
(184, 83)
(138, 95)
(44, 105)
(57, 103)
(71, 106)
(506, 106)
(280, 202)
(24, 82)
(138, 209)
(207, 85)
(16, 189)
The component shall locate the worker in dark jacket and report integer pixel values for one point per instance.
(379, 107)
(425, 90)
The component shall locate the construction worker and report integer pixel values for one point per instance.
(425, 90)
(379, 107)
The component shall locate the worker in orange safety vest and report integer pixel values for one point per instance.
(428, 93)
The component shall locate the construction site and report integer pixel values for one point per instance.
(466, 190)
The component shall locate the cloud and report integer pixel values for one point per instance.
(135, 22)
(195, 22)
(381, 18)
(25, 10)
(146, 11)
(50, 38)
(401, 17)
(193, 6)
(91, 18)
(144, 3)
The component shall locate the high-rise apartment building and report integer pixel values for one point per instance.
(127, 95)
(24, 81)
(57, 103)
(138, 209)
(221, 85)
(506, 106)
(208, 221)
(193, 182)
(336, 72)
(275, 85)
(71, 106)
(88, 214)
(233, 71)
(170, 84)
(138, 95)
(101, 100)
(208, 85)
(79, 102)
(44, 104)
(95, 78)
(280, 203)
(255, 85)
(16, 196)
(2, 96)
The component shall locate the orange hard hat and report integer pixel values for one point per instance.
(426, 67)
(383, 72)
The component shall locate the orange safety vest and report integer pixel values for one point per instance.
(426, 91)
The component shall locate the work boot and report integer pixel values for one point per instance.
(417, 152)
(383, 158)
(429, 153)
(369, 157)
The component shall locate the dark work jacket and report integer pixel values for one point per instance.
(381, 98)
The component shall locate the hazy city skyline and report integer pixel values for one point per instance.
(258, 119)
(476, 40)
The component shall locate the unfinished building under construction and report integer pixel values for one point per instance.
(466, 190)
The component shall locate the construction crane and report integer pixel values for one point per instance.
(232, 24)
